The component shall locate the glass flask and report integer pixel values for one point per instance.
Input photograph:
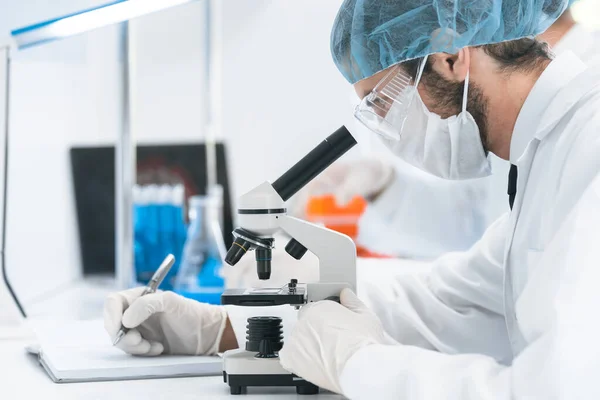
(200, 272)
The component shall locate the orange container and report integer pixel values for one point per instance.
(343, 219)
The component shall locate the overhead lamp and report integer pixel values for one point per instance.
(87, 20)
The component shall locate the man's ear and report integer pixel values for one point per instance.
(453, 67)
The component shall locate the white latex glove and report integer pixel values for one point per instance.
(366, 178)
(326, 335)
(164, 322)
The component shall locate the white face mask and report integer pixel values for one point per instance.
(448, 148)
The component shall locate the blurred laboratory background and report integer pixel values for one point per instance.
(275, 94)
(253, 76)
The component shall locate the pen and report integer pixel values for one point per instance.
(151, 287)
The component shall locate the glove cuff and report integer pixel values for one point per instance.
(214, 349)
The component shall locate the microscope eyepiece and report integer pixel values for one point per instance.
(315, 162)
(237, 250)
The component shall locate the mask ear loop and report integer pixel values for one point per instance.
(420, 72)
(465, 93)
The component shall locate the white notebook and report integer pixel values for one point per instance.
(80, 351)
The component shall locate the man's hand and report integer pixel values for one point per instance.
(166, 323)
(326, 335)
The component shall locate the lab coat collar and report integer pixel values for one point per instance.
(578, 40)
(557, 75)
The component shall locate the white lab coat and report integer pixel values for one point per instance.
(413, 216)
(582, 42)
(515, 317)
(406, 219)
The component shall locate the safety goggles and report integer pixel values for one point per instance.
(386, 108)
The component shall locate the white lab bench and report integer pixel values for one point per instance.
(21, 376)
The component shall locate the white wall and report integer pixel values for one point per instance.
(62, 94)
(167, 70)
(281, 92)
(587, 12)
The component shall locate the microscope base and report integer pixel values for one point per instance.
(242, 369)
(239, 383)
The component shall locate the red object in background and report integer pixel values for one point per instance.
(344, 219)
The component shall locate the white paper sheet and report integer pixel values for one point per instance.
(75, 351)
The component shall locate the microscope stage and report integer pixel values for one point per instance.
(264, 297)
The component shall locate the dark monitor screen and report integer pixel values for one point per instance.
(93, 170)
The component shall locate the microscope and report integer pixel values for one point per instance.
(262, 213)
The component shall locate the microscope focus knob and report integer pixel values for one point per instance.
(264, 336)
(295, 249)
(292, 285)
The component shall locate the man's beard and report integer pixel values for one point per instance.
(448, 96)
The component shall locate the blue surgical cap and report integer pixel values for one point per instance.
(371, 35)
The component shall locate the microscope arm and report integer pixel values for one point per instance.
(336, 253)
(262, 212)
